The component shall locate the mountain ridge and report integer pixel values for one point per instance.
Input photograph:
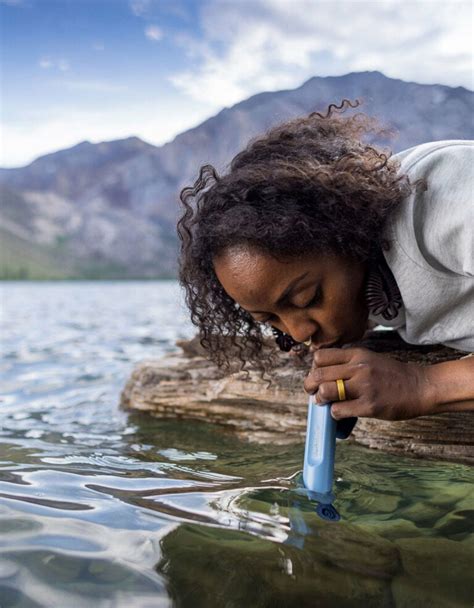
(114, 204)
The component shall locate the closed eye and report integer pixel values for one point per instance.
(316, 299)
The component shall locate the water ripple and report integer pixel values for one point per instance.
(99, 507)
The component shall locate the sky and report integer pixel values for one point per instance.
(99, 70)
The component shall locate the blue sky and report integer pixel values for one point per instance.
(107, 69)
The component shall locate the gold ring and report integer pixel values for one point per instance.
(341, 390)
(308, 342)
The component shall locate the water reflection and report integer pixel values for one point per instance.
(207, 567)
(103, 508)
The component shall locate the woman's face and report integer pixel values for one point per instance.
(318, 297)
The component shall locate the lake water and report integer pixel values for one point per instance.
(102, 508)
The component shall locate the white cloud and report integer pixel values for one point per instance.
(139, 7)
(40, 132)
(148, 9)
(46, 63)
(153, 32)
(249, 46)
(274, 44)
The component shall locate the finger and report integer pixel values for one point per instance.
(335, 356)
(328, 392)
(347, 409)
(318, 375)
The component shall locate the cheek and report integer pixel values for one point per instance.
(340, 300)
(343, 305)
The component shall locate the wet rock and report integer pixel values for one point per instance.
(369, 519)
(391, 529)
(448, 494)
(456, 523)
(205, 567)
(467, 502)
(187, 385)
(422, 513)
(354, 549)
(436, 572)
(345, 545)
(376, 503)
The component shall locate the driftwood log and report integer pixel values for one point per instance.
(186, 385)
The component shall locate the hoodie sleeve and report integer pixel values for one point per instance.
(443, 214)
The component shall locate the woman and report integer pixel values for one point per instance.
(319, 236)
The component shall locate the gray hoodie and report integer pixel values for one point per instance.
(431, 237)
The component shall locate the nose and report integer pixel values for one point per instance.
(299, 325)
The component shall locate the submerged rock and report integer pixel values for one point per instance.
(435, 571)
(454, 525)
(392, 529)
(187, 385)
(204, 567)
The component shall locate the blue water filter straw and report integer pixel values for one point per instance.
(318, 471)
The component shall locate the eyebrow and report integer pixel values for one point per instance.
(284, 295)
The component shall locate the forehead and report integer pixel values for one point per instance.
(255, 279)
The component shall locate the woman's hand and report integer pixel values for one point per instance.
(377, 386)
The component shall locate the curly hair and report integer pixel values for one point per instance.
(307, 186)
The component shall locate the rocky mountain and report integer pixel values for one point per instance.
(110, 209)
